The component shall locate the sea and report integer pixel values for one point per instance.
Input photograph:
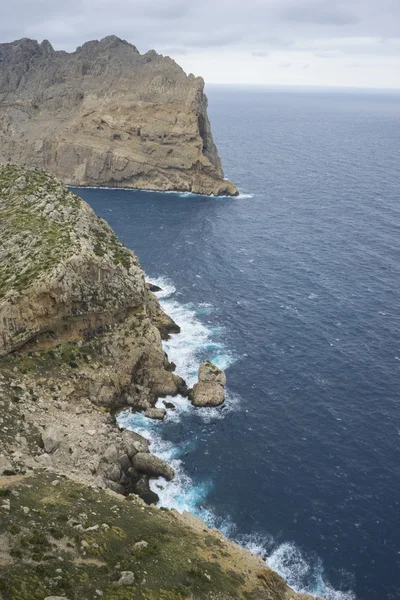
(293, 288)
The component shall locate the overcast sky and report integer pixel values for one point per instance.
(295, 42)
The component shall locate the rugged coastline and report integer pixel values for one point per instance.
(106, 115)
(81, 337)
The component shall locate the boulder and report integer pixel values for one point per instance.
(209, 390)
(134, 443)
(6, 467)
(169, 405)
(126, 578)
(154, 288)
(144, 492)
(51, 438)
(155, 413)
(151, 465)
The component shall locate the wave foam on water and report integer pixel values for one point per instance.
(196, 342)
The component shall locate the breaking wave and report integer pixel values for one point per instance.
(195, 342)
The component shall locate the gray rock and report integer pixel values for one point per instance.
(134, 443)
(114, 474)
(125, 463)
(52, 438)
(164, 107)
(140, 546)
(209, 390)
(115, 487)
(6, 467)
(151, 465)
(126, 578)
(111, 454)
(155, 413)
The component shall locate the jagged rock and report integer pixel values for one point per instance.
(161, 320)
(143, 490)
(169, 405)
(155, 413)
(114, 486)
(134, 442)
(154, 288)
(107, 115)
(52, 438)
(124, 462)
(152, 465)
(209, 391)
(71, 282)
(114, 474)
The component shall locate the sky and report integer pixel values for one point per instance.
(350, 43)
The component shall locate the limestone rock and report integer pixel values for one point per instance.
(51, 437)
(142, 488)
(152, 465)
(6, 467)
(209, 391)
(134, 442)
(69, 283)
(155, 413)
(126, 578)
(107, 115)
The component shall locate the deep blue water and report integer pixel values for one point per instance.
(295, 285)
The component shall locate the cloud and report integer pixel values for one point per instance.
(318, 12)
(255, 28)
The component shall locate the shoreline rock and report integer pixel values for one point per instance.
(209, 390)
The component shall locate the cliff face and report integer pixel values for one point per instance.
(105, 115)
(66, 279)
(79, 335)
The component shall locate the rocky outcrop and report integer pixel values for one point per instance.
(77, 338)
(209, 390)
(105, 115)
(68, 284)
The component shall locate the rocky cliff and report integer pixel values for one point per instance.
(80, 335)
(105, 115)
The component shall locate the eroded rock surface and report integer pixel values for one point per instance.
(106, 115)
(77, 337)
(209, 390)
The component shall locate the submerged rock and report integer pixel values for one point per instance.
(209, 391)
(155, 413)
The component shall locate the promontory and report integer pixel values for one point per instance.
(106, 115)
(81, 335)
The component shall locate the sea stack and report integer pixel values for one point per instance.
(106, 115)
(209, 390)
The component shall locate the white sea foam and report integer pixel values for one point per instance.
(187, 349)
(174, 192)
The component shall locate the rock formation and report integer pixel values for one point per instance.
(77, 332)
(209, 390)
(105, 115)
(78, 339)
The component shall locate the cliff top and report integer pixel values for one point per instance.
(43, 224)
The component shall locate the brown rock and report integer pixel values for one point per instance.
(209, 391)
(107, 115)
(151, 465)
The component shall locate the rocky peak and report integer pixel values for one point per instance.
(107, 115)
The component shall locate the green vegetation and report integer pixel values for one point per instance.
(42, 224)
(75, 540)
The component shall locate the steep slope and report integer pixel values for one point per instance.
(79, 336)
(105, 115)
